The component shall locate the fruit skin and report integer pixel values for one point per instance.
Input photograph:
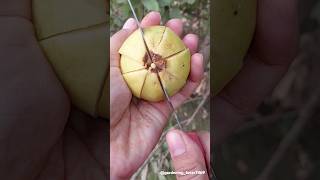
(233, 26)
(72, 34)
(172, 61)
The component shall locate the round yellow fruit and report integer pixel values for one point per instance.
(233, 26)
(170, 58)
(72, 34)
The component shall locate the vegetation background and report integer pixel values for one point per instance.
(196, 110)
(281, 140)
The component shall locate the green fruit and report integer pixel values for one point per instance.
(72, 34)
(171, 59)
(233, 29)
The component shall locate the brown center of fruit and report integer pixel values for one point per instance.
(156, 64)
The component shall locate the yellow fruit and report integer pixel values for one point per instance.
(233, 26)
(170, 58)
(73, 36)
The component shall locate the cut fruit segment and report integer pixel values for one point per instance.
(52, 17)
(152, 40)
(129, 65)
(152, 89)
(171, 83)
(72, 35)
(136, 79)
(179, 64)
(134, 47)
(170, 44)
(234, 23)
(69, 54)
(170, 58)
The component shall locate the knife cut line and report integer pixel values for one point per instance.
(171, 107)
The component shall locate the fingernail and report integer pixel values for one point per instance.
(129, 24)
(176, 144)
(154, 12)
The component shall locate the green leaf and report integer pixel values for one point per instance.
(151, 5)
(125, 9)
(175, 13)
(121, 1)
(191, 1)
(165, 3)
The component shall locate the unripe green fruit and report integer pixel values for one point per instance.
(72, 34)
(170, 58)
(233, 29)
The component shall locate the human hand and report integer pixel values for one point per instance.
(273, 49)
(187, 154)
(135, 127)
(39, 137)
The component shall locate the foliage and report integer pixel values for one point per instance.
(194, 13)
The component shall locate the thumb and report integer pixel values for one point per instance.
(187, 157)
(118, 38)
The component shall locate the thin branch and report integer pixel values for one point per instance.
(305, 115)
(201, 104)
(163, 158)
(190, 100)
(260, 121)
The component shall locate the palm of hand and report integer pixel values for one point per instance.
(40, 138)
(136, 125)
(273, 49)
(135, 132)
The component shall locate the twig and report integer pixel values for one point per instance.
(203, 101)
(305, 114)
(192, 99)
(259, 121)
(144, 173)
(163, 158)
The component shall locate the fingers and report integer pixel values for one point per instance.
(276, 39)
(176, 26)
(151, 19)
(130, 24)
(16, 8)
(154, 18)
(186, 156)
(273, 49)
(191, 41)
(195, 77)
(204, 138)
(196, 72)
(117, 40)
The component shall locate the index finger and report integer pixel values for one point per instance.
(151, 19)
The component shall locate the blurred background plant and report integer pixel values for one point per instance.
(195, 111)
(195, 14)
(281, 139)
